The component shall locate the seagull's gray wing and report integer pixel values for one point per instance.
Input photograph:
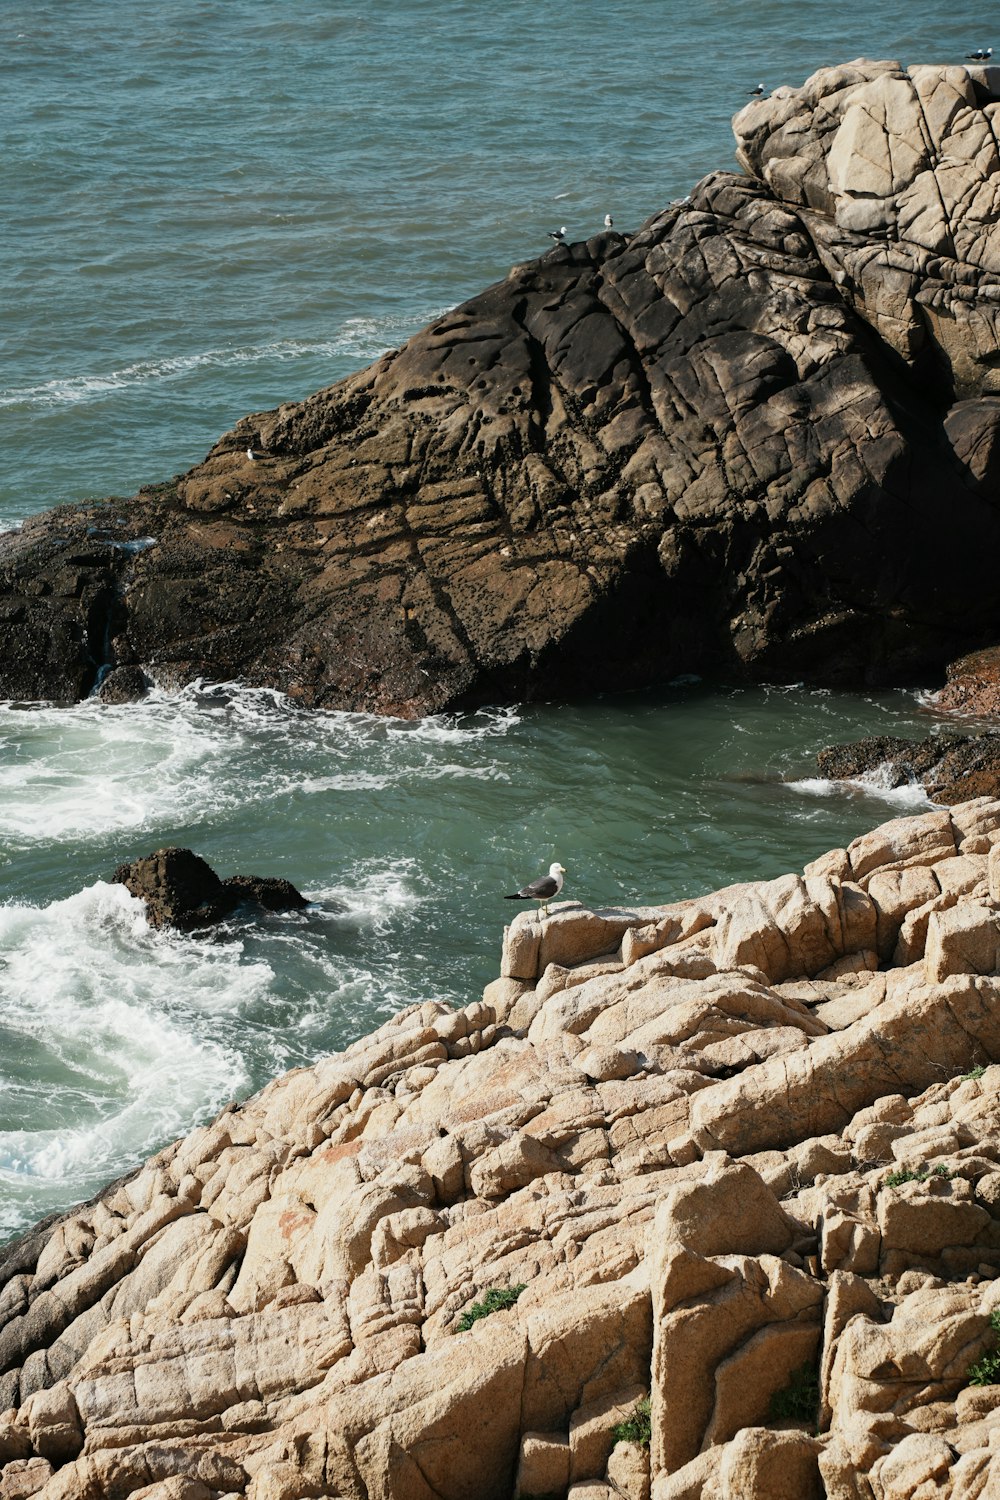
(536, 890)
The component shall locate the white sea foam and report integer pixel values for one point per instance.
(910, 795)
(122, 1031)
(95, 769)
(358, 338)
(371, 894)
(488, 723)
(70, 773)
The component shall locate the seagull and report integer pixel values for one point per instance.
(758, 92)
(558, 234)
(543, 890)
(254, 453)
(609, 222)
(981, 54)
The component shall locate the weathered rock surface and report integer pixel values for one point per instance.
(952, 768)
(182, 890)
(759, 436)
(972, 686)
(741, 1154)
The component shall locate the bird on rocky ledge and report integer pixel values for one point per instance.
(758, 92)
(254, 453)
(981, 54)
(558, 235)
(608, 221)
(543, 890)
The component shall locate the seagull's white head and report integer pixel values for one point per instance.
(556, 870)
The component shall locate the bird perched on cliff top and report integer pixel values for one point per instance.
(558, 235)
(544, 889)
(758, 92)
(981, 54)
(609, 222)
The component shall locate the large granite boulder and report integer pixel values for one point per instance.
(758, 436)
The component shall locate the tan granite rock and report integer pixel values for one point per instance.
(628, 1470)
(543, 1464)
(272, 1306)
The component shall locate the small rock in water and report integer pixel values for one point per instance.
(182, 890)
(973, 685)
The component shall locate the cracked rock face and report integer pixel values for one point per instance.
(759, 436)
(739, 1156)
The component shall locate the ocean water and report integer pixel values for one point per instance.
(214, 208)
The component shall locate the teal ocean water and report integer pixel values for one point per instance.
(214, 208)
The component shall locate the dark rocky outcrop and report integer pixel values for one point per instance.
(181, 890)
(952, 769)
(759, 437)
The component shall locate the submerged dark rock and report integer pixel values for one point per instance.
(268, 891)
(182, 890)
(761, 436)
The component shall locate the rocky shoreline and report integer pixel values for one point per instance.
(758, 437)
(699, 1201)
(737, 1158)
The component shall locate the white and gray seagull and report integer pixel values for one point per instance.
(758, 92)
(558, 235)
(608, 221)
(981, 54)
(544, 889)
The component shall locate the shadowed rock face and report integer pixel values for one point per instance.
(759, 436)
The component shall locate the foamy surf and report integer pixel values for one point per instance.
(358, 339)
(121, 1036)
(373, 894)
(92, 769)
(911, 797)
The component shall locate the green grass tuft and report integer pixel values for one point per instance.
(495, 1299)
(973, 1073)
(907, 1174)
(986, 1371)
(799, 1399)
(636, 1427)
